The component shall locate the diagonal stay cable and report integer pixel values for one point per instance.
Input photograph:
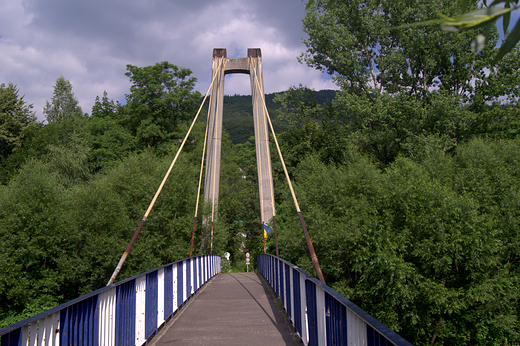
(136, 233)
(314, 258)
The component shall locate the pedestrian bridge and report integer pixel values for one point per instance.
(163, 306)
(190, 302)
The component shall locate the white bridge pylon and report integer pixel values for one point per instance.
(251, 65)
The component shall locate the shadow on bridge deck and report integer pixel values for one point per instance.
(233, 309)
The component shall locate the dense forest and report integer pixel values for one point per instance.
(238, 110)
(408, 177)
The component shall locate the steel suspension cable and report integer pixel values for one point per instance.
(136, 233)
(314, 258)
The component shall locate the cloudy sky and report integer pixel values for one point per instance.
(90, 42)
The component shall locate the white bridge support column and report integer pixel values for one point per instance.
(263, 156)
(251, 65)
(216, 103)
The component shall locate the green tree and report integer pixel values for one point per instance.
(31, 240)
(104, 108)
(313, 127)
(353, 41)
(161, 96)
(239, 204)
(16, 119)
(408, 91)
(71, 160)
(111, 141)
(63, 103)
(428, 249)
(484, 17)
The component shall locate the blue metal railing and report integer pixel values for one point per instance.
(124, 313)
(321, 315)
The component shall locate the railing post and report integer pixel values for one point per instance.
(175, 287)
(140, 301)
(168, 291)
(160, 298)
(291, 292)
(304, 313)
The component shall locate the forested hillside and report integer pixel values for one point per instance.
(238, 114)
(408, 177)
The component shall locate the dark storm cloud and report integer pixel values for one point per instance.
(91, 42)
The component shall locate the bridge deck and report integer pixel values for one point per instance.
(233, 309)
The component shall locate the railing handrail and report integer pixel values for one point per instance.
(392, 336)
(312, 337)
(55, 309)
(201, 269)
(302, 272)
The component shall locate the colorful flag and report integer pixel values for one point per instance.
(268, 232)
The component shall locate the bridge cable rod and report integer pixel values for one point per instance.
(314, 258)
(136, 233)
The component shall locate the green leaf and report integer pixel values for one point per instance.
(496, 2)
(424, 23)
(309, 4)
(506, 18)
(510, 42)
(473, 20)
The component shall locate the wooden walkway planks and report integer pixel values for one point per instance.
(233, 309)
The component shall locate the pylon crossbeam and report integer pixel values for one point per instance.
(251, 65)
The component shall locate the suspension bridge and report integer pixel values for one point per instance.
(191, 302)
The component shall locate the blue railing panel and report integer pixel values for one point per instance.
(151, 304)
(277, 274)
(281, 281)
(199, 271)
(75, 323)
(205, 269)
(195, 266)
(375, 339)
(125, 314)
(188, 277)
(168, 291)
(13, 338)
(335, 321)
(297, 315)
(312, 313)
(288, 291)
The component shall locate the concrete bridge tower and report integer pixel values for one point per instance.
(251, 65)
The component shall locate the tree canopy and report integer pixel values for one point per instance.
(161, 96)
(16, 118)
(63, 102)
